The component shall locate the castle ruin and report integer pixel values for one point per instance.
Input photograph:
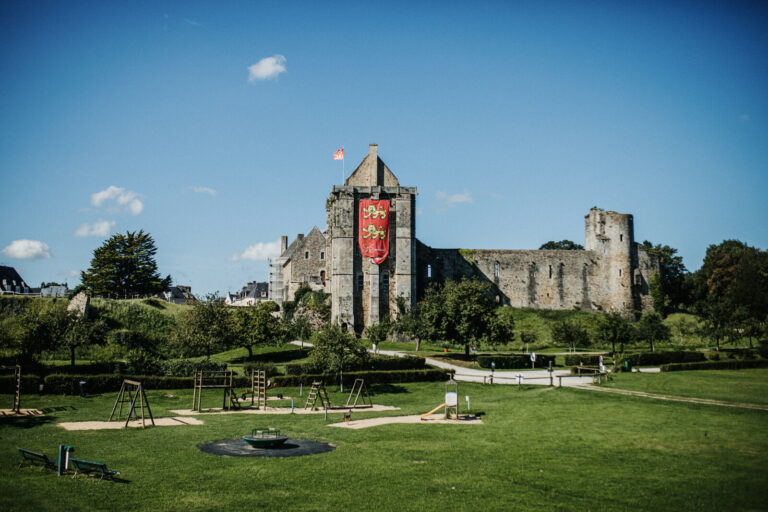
(611, 274)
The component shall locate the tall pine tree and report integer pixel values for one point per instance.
(124, 267)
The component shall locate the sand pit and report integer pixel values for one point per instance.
(116, 425)
(22, 412)
(286, 410)
(416, 418)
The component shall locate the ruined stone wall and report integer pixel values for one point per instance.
(528, 279)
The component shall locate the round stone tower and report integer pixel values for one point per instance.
(611, 236)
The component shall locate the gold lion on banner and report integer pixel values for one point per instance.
(374, 233)
(373, 213)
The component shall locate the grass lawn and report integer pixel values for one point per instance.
(748, 386)
(539, 448)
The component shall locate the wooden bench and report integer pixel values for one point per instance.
(89, 468)
(36, 459)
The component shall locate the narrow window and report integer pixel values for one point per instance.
(429, 271)
(322, 255)
(619, 272)
(550, 271)
(496, 269)
(360, 283)
(306, 255)
(322, 276)
(385, 282)
(621, 238)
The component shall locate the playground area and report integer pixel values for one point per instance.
(502, 448)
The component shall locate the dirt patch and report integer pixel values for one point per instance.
(22, 412)
(116, 425)
(416, 418)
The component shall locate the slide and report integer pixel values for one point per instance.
(433, 411)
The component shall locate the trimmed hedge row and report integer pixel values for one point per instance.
(716, 365)
(29, 384)
(375, 363)
(70, 384)
(513, 361)
(586, 360)
(659, 358)
(371, 377)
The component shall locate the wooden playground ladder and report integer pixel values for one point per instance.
(359, 386)
(318, 391)
(259, 381)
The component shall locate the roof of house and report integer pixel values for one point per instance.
(9, 275)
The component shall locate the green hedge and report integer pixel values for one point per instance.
(29, 384)
(269, 368)
(716, 365)
(586, 360)
(70, 384)
(659, 358)
(371, 377)
(374, 363)
(514, 361)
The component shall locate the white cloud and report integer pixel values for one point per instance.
(192, 22)
(27, 250)
(258, 252)
(203, 190)
(267, 68)
(98, 228)
(124, 198)
(446, 200)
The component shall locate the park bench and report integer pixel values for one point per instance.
(36, 459)
(89, 468)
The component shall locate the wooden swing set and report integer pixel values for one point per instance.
(130, 392)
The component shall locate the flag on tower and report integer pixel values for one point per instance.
(339, 155)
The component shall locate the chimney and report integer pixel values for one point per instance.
(373, 149)
(283, 244)
(300, 236)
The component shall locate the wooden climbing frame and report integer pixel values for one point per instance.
(130, 392)
(215, 380)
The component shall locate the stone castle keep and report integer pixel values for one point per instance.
(611, 274)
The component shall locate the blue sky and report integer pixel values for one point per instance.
(212, 125)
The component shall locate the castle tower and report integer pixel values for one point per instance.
(362, 291)
(611, 236)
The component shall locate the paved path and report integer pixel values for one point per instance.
(509, 377)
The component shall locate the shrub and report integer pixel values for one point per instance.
(514, 361)
(733, 364)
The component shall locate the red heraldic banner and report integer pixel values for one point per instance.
(374, 229)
